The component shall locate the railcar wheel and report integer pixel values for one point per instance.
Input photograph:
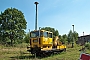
(64, 50)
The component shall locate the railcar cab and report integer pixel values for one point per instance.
(41, 39)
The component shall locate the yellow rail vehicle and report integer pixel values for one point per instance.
(42, 41)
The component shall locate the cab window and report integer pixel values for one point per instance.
(34, 34)
(45, 34)
(50, 35)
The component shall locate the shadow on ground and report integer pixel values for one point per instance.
(29, 56)
(23, 57)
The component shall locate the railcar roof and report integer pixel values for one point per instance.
(42, 30)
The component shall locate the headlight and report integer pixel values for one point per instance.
(35, 41)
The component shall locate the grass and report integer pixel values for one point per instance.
(20, 53)
(70, 54)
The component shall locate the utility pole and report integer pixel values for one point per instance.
(36, 3)
(83, 33)
(73, 37)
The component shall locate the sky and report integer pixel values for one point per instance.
(58, 14)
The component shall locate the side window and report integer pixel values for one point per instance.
(45, 34)
(50, 35)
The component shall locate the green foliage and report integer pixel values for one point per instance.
(12, 25)
(26, 39)
(87, 45)
(55, 32)
(75, 36)
(64, 38)
(72, 37)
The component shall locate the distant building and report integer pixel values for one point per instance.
(83, 39)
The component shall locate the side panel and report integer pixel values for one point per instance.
(50, 41)
(61, 47)
(46, 40)
(46, 43)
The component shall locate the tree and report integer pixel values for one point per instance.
(64, 38)
(26, 39)
(12, 24)
(55, 32)
(75, 36)
(70, 37)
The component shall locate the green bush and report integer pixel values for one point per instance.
(87, 45)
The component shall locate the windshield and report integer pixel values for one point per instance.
(35, 34)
